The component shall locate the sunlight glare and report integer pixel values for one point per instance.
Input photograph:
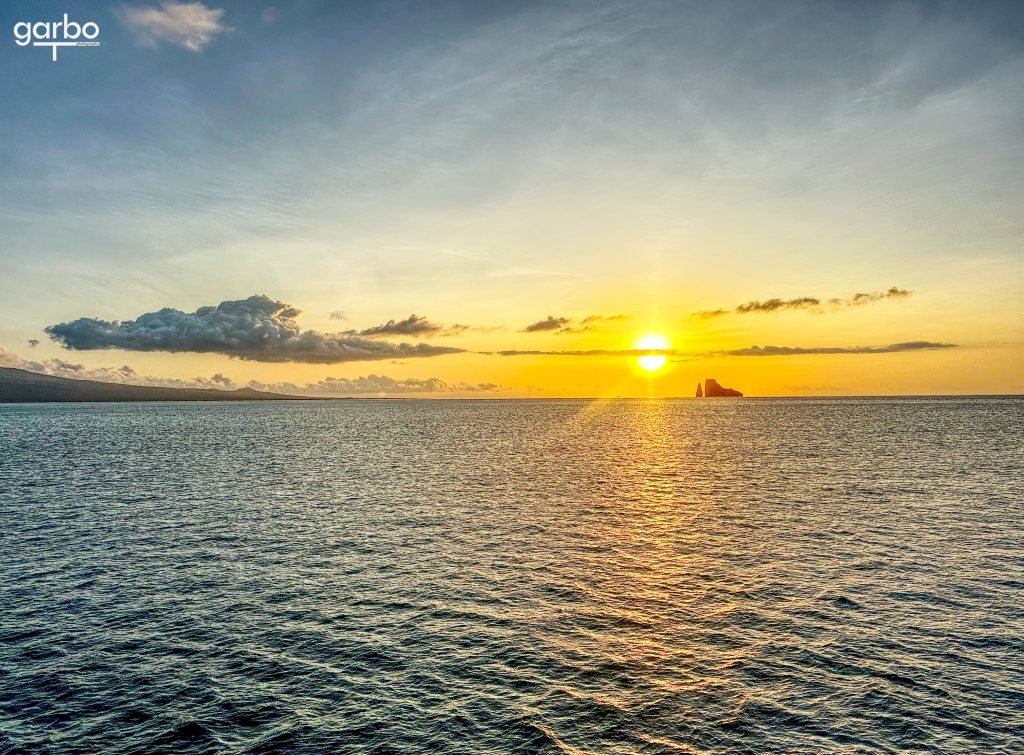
(652, 362)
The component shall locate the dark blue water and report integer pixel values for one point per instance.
(509, 577)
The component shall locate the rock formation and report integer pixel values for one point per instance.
(713, 390)
(700, 391)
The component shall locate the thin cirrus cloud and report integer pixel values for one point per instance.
(776, 351)
(258, 329)
(807, 303)
(749, 351)
(189, 25)
(583, 352)
(375, 384)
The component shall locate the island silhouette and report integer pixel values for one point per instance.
(713, 390)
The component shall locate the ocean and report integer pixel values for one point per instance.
(662, 576)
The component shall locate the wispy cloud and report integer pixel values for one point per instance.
(708, 314)
(258, 329)
(548, 324)
(775, 351)
(592, 319)
(413, 326)
(581, 352)
(808, 303)
(749, 351)
(189, 25)
(591, 322)
(376, 385)
(773, 305)
(569, 325)
(869, 298)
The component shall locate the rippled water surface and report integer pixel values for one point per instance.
(511, 577)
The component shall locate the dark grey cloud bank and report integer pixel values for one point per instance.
(258, 329)
(808, 303)
(749, 351)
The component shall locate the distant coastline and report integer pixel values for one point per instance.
(23, 387)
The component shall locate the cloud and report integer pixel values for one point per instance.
(413, 325)
(124, 375)
(375, 384)
(590, 319)
(547, 324)
(774, 351)
(590, 322)
(808, 303)
(869, 298)
(33, 342)
(338, 314)
(772, 305)
(568, 325)
(258, 329)
(749, 351)
(189, 25)
(707, 314)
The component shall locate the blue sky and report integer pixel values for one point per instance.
(494, 163)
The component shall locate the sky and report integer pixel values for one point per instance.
(503, 199)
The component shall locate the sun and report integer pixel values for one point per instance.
(652, 362)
